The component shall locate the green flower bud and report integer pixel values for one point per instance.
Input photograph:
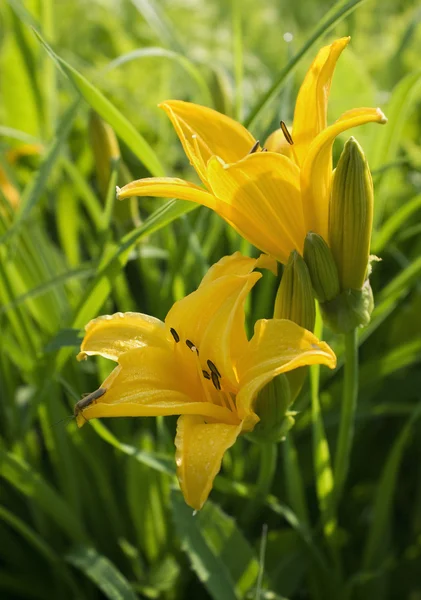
(272, 405)
(351, 309)
(105, 149)
(351, 216)
(294, 299)
(322, 267)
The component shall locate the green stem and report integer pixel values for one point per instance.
(349, 404)
(268, 458)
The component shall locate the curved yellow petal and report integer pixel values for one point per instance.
(112, 335)
(310, 115)
(212, 319)
(204, 132)
(277, 346)
(260, 196)
(200, 448)
(167, 187)
(316, 172)
(154, 381)
(238, 264)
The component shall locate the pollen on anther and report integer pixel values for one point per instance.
(213, 368)
(191, 346)
(206, 374)
(215, 381)
(175, 335)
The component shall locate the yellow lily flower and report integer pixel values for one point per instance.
(273, 199)
(198, 364)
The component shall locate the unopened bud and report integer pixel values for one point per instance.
(294, 299)
(105, 149)
(272, 407)
(351, 216)
(322, 267)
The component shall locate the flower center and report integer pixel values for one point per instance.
(211, 380)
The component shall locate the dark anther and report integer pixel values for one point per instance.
(215, 381)
(175, 335)
(206, 375)
(213, 368)
(192, 347)
(255, 147)
(264, 149)
(286, 133)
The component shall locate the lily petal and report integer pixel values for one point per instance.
(151, 382)
(204, 132)
(167, 187)
(238, 264)
(277, 346)
(260, 196)
(112, 335)
(316, 173)
(310, 115)
(212, 319)
(200, 448)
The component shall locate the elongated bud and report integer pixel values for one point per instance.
(322, 267)
(105, 149)
(294, 299)
(351, 216)
(272, 407)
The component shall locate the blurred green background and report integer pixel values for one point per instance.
(96, 513)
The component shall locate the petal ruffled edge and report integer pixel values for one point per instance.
(200, 447)
(112, 335)
(277, 346)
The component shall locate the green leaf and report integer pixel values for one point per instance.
(25, 479)
(378, 538)
(96, 100)
(218, 551)
(181, 59)
(34, 190)
(394, 224)
(102, 573)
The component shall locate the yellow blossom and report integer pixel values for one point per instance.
(198, 364)
(271, 198)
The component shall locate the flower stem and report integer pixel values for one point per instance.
(267, 468)
(349, 404)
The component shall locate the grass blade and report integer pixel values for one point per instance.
(100, 104)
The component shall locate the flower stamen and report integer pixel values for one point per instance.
(192, 347)
(286, 133)
(206, 374)
(254, 147)
(215, 381)
(213, 368)
(175, 335)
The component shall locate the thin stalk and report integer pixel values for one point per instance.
(349, 404)
(268, 458)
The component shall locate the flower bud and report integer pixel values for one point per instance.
(105, 149)
(294, 299)
(271, 406)
(322, 267)
(351, 216)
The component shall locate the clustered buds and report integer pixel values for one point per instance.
(339, 270)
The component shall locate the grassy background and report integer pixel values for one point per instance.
(94, 513)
